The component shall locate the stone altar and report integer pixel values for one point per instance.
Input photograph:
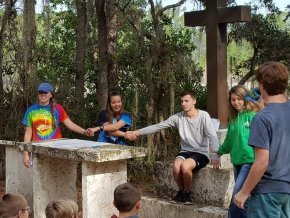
(53, 172)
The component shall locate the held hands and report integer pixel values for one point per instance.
(132, 135)
(89, 132)
(215, 163)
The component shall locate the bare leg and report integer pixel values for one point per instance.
(186, 169)
(177, 173)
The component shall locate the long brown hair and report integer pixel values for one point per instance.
(240, 91)
(111, 113)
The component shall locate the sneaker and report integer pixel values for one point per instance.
(177, 198)
(187, 200)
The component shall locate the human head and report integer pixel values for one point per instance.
(62, 208)
(45, 93)
(188, 92)
(45, 87)
(188, 100)
(127, 197)
(114, 104)
(236, 99)
(273, 76)
(14, 205)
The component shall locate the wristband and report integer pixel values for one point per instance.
(101, 127)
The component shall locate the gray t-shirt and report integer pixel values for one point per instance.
(270, 130)
(196, 135)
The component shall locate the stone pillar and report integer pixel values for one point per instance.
(18, 178)
(98, 183)
(225, 159)
(54, 178)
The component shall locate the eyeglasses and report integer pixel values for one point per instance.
(28, 209)
(42, 93)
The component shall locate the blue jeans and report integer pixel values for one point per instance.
(241, 173)
(270, 205)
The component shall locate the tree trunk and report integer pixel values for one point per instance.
(80, 58)
(29, 38)
(102, 75)
(8, 8)
(47, 21)
(111, 20)
(4, 21)
(246, 77)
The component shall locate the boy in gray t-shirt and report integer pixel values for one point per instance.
(197, 136)
(269, 178)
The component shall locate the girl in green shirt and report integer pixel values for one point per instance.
(241, 113)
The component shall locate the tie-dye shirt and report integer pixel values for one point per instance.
(39, 118)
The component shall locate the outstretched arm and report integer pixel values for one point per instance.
(110, 127)
(213, 142)
(132, 135)
(76, 128)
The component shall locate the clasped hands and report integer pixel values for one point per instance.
(129, 135)
(132, 135)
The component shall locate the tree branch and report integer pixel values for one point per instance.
(246, 77)
(161, 11)
(135, 27)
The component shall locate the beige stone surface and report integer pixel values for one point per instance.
(158, 208)
(54, 172)
(99, 181)
(53, 178)
(225, 159)
(209, 186)
(18, 177)
(82, 150)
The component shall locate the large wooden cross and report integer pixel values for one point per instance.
(215, 17)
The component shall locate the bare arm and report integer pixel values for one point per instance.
(111, 127)
(74, 127)
(27, 138)
(257, 171)
(118, 133)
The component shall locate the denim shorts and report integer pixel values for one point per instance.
(200, 159)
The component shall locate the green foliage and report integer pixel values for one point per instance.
(268, 41)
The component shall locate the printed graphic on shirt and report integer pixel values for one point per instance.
(247, 124)
(44, 126)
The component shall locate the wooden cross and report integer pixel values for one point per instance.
(215, 17)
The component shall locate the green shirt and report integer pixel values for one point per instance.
(236, 141)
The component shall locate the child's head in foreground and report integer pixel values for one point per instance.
(127, 198)
(14, 205)
(62, 208)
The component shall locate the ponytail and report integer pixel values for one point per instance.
(51, 104)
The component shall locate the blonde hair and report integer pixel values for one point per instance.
(62, 208)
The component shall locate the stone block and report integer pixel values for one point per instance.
(225, 159)
(209, 186)
(157, 208)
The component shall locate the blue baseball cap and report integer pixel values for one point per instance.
(253, 95)
(45, 87)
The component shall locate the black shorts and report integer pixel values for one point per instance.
(200, 159)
